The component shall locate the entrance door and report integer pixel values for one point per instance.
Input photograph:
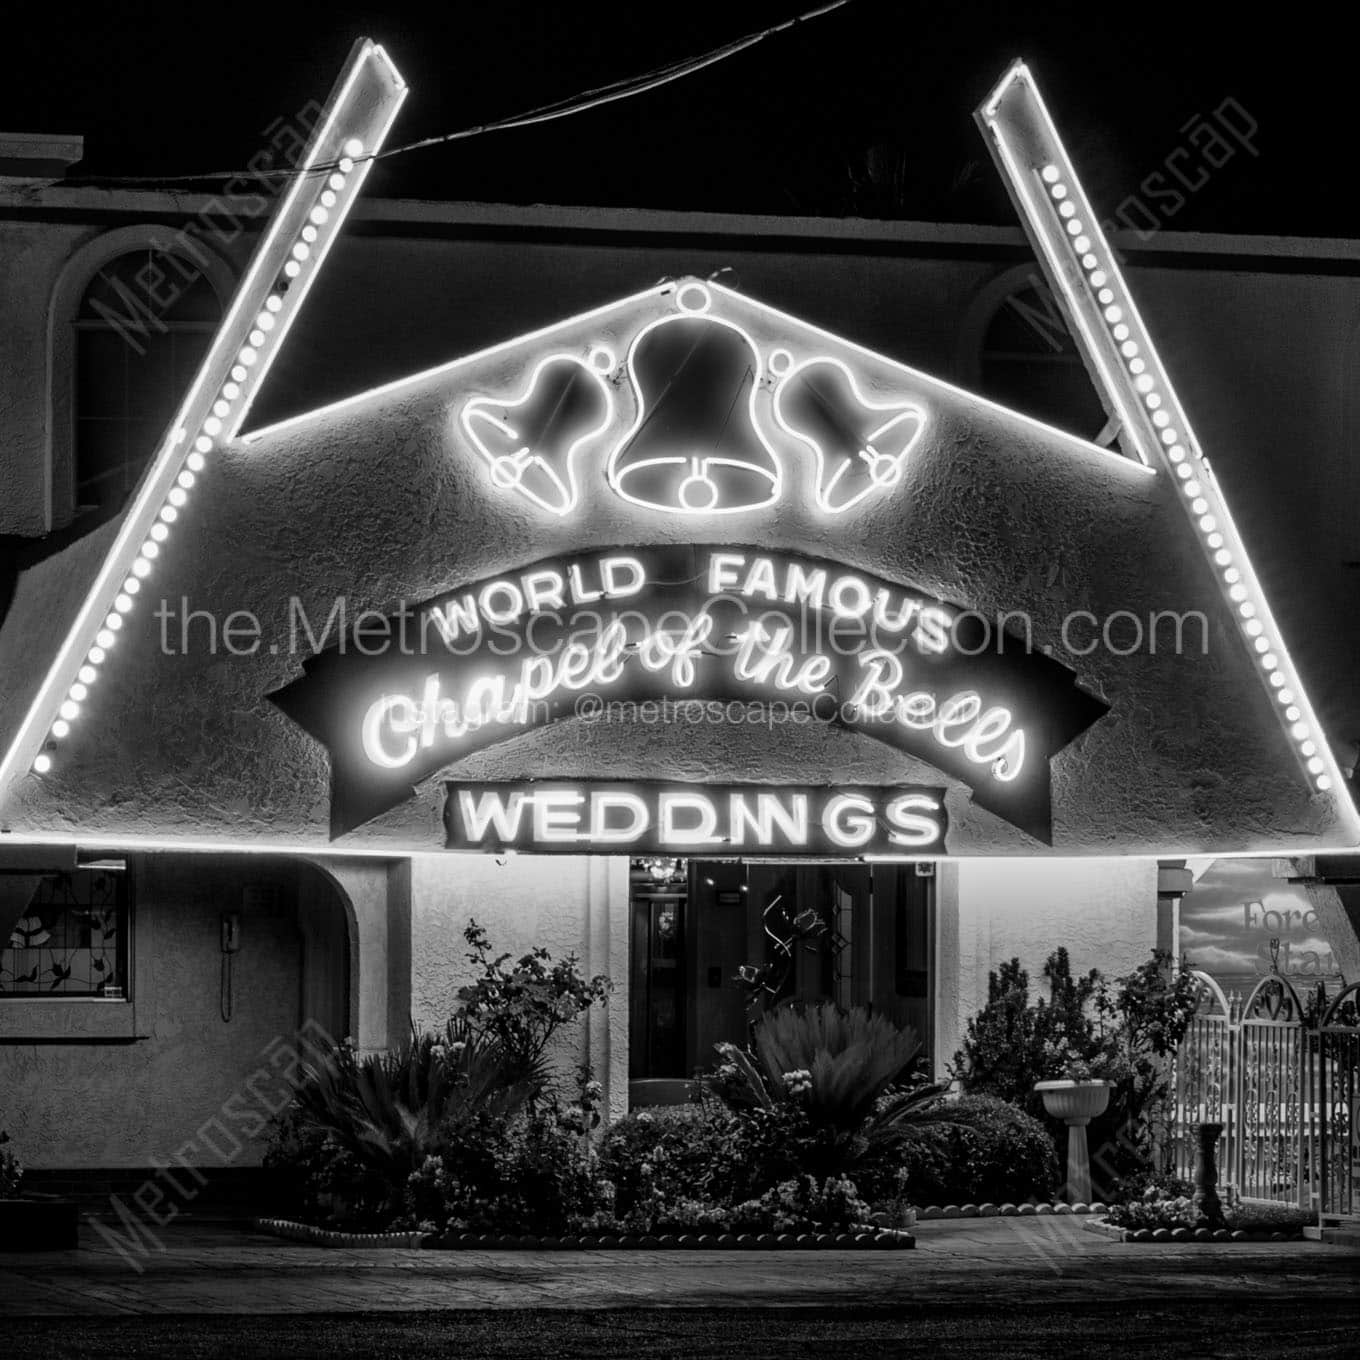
(659, 890)
(716, 943)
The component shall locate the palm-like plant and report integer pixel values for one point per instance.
(836, 1063)
(391, 1110)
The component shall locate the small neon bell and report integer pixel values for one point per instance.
(861, 445)
(530, 443)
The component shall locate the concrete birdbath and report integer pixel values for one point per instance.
(1076, 1103)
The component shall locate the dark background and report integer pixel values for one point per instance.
(864, 112)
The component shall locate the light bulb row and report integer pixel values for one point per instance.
(205, 441)
(1192, 474)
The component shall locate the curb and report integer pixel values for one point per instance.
(1005, 1210)
(1218, 1236)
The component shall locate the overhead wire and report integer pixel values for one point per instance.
(581, 102)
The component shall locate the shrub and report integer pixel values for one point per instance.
(666, 1155)
(705, 1169)
(973, 1150)
(522, 1005)
(533, 1171)
(11, 1172)
(1123, 1032)
(357, 1129)
(448, 1120)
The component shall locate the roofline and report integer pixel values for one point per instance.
(423, 215)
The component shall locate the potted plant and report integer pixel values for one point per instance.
(1076, 1099)
(32, 1222)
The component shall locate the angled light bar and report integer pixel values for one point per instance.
(1087, 281)
(358, 116)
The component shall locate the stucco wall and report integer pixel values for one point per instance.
(187, 1084)
(570, 904)
(1104, 912)
(31, 258)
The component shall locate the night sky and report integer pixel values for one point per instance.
(865, 112)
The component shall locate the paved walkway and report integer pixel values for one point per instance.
(221, 1269)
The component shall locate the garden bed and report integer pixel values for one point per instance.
(1216, 1235)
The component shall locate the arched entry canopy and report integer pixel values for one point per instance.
(687, 572)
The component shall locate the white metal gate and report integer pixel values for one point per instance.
(1284, 1081)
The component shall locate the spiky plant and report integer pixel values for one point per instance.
(390, 1110)
(835, 1063)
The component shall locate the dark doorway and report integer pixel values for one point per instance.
(715, 943)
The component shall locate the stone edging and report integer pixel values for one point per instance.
(330, 1237)
(861, 1238)
(1005, 1210)
(1218, 1235)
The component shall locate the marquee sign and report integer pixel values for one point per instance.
(722, 633)
(565, 817)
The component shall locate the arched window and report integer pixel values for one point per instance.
(1029, 362)
(141, 329)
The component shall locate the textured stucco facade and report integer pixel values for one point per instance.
(377, 503)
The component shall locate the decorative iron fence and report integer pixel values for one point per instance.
(1283, 1079)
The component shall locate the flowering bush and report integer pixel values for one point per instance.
(448, 1123)
(1162, 1209)
(11, 1173)
(522, 1005)
(532, 1171)
(707, 1170)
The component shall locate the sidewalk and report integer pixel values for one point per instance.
(222, 1269)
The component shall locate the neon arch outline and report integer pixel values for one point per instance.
(511, 479)
(1087, 280)
(777, 479)
(903, 411)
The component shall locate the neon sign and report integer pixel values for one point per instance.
(860, 445)
(714, 423)
(530, 442)
(588, 817)
(592, 636)
(696, 445)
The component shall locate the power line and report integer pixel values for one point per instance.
(581, 102)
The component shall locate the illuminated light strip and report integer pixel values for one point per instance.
(371, 394)
(360, 113)
(1108, 457)
(1087, 279)
(208, 845)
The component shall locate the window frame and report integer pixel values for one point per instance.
(77, 275)
(54, 1019)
